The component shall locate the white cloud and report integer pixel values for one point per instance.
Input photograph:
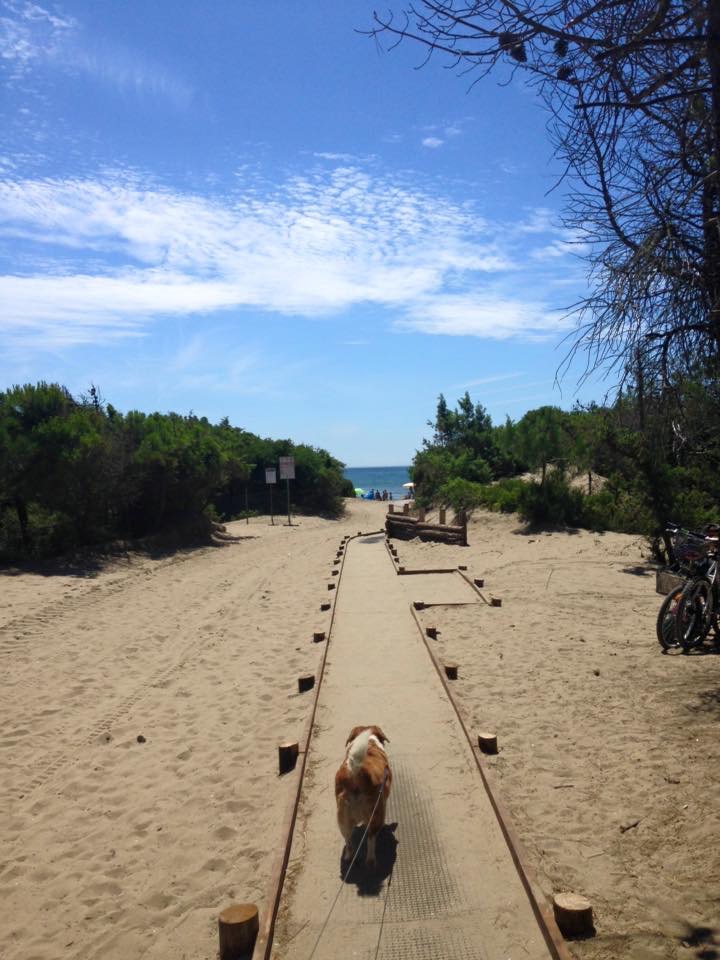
(496, 316)
(432, 142)
(316, 245)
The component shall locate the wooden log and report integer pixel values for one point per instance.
(421, 514)
(306, 682)
(401, 569)
(237, 930)
(406, 507)
(479, 582)
(331, 586)
(441, 516)
(287, 755)
(391, 508)
(495, 602)
(431, 632)
(462, 566)
(318, 636)
(488, 742)
(442, 528)
(325, 606)
(573, 914)
(451, 670)
(334, 572)
(336, 561)
(418, 604)
(398, 518)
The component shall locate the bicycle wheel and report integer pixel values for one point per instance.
(694, 613)
(665, 626)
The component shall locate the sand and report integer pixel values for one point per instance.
(609, 751)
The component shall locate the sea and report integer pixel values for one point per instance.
(380, 478)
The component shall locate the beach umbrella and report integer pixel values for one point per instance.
(408, 486)
(359, 491)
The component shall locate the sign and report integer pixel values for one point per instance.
(270, 475)
(287, 468)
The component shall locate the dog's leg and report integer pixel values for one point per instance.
(346, 829)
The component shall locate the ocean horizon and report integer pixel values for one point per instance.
(380, 478)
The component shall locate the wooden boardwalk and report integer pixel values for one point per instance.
(446, 885)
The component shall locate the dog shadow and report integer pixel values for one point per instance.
(369, 882)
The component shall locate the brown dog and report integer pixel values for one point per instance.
(362, 784)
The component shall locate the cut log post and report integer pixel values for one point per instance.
(418, 604)
(287, 755)
(406, 508)
(488, 742)
(359, 533)
(462, 566)
(335, 572)
(336, 561)
(431, 632)
(451, 670)
(238, 929)
(421, 514)
(325, 606)
(441, 516)
(318, 636)
(331, 586)
(401, 569)
(306, 682)
(573, 914)
(495, 602)
(479, 582)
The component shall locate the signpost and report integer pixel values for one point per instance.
(287, 473)
(270, 479)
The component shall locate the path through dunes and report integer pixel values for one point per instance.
(129, 849)
(446, 885)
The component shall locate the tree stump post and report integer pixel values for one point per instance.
(287, 755)
(441, 517)
(573, 914)
(237, 930)
(451, 670)
(306, 682)
(487, 742)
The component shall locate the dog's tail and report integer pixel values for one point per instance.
(357, 750)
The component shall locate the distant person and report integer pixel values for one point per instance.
(384, 496)
(390, 496)
(377, 495)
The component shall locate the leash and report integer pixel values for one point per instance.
(347, 873)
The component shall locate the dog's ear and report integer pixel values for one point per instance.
(383, 738)
(354, 733)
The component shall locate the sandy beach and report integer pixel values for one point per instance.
(143, 702)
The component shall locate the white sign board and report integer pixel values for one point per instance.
(287, 468)
(270, 475)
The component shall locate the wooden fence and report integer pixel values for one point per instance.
(405, 526)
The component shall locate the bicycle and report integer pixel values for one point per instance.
(689, 561)
(698, 606)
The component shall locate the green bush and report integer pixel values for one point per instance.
(553, 502)
(462, 496)
(503, 496)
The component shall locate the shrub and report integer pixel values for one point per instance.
(552, 502)
(463, 496)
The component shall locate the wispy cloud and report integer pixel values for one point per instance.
(432, 142)
(484, 381)
(322, 242)
(31, 35)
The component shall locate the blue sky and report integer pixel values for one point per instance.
(249, 210)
